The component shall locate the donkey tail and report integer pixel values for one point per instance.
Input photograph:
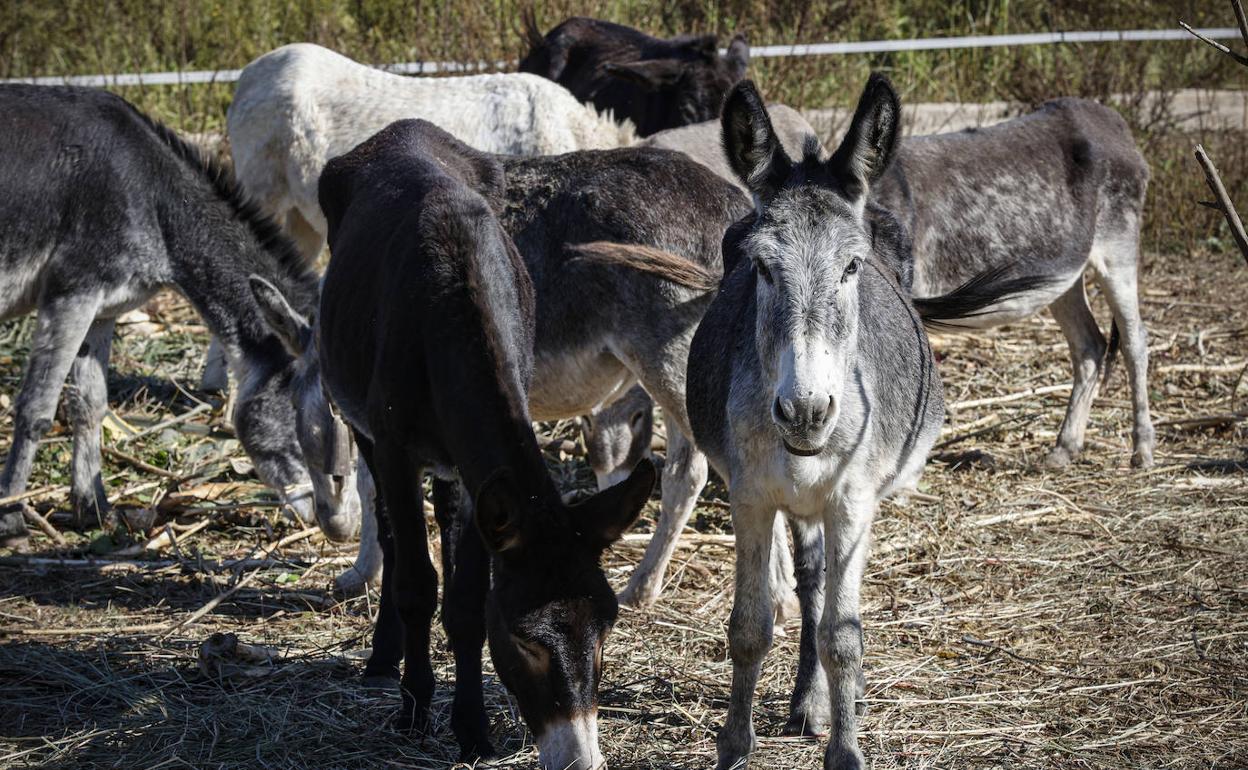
(976, 297)
(646, 259)
(1111, 353)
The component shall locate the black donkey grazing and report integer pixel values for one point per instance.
(425, 340)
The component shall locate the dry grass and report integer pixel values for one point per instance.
(1015, 617)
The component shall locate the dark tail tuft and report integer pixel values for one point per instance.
(1111, 353)
(646, 259)
(976, 297)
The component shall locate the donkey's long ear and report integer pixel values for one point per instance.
(869, 144)
(738, 57)
(290, 327)
(496, 513)
(605, 517)
(750, 142)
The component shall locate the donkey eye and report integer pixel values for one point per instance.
(534, 654)
(851, 269)
(762, 270)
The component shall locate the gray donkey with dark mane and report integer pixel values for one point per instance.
(102, 208)
(813, 391)
(425, 342)
(1058, 192)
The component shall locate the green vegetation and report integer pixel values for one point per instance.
(62, 37)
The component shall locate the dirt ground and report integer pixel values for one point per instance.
(1090, 617)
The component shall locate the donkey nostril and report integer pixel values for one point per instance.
(783, 410)
(821, 409)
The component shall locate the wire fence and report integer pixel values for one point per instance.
(191, 77)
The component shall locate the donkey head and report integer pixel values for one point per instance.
(617, 436)
(551, 607)
(326, 441)
(686, 88)
(808, 243)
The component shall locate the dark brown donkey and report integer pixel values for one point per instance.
(426, 345)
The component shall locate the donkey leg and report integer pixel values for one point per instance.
(216, 368)
(847, 528)
(810, 707)
(783, 582)
(466, 580)
(749, 628)
(1087, 354)
(307, 238)
(684, 475)
(415, 586)
(59, 330)
(86, 401)
(382, 668)
(366, 570)
(1116, 272)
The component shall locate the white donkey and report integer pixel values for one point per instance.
(300, 105)
(812, 390)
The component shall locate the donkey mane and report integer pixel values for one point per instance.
(297, 280)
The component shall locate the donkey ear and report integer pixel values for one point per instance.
(706, 46)
(290, 327)
(652, 73)
(496, 514)
(750, 142)
(605, 517)
(871, 140)
(738, 57)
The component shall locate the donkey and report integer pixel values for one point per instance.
(105, 207)
(655, 83)
(813, 391)
(1059, 191)
(1056, 192)
(425, 338)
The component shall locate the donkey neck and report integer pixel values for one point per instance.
(213, 244)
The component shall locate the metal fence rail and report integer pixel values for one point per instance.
(765, 52)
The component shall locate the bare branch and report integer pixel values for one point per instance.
(1224, 200)
(1238, 7)
(1236, 56)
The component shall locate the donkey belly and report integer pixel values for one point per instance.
(573, 383)
(19, 284)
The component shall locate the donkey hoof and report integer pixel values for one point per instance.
(13, 532)
(412, 721)
(480, 754)
(734, 749)
(90, 512)
(15, 543)
(1059, 457)
(1142, 458)
(843, 758)
(638, 595)
(802, 726)
(350, 584)
(380, 683)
